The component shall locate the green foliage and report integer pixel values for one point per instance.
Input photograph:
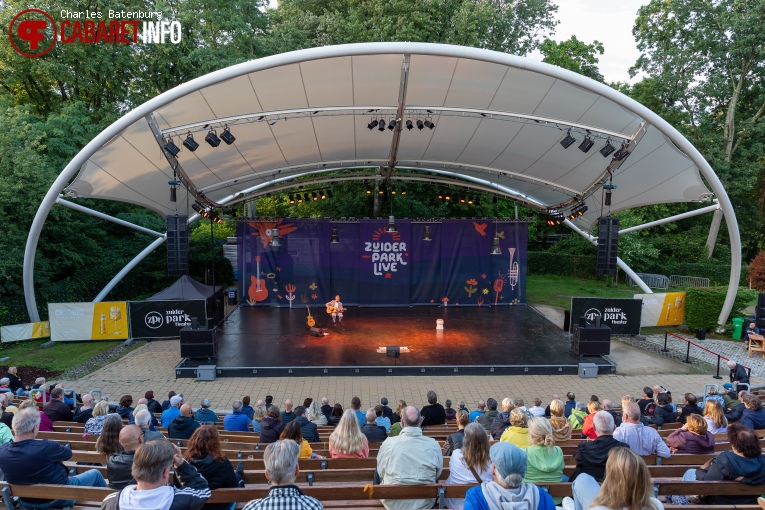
(561, 264)
(574, 55)
(556, 290)
(703, 305)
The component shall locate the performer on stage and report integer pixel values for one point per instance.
(335, 308)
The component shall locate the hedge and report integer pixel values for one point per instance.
(562, 264)
(703, 305)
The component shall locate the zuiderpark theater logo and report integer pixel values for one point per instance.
(34, 32)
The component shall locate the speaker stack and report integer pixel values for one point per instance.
(592, 341)
(608, 243)
(177, 245)
(760, 312)
(198, 343)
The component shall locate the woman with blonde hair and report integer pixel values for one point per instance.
(96, 424)
(627, 485)
(518, 432)
(588, 430)
(347, 441)
(257, 416)
(471, 462)
(545, 460)
(693, 437)
(561, 427)
(315, 415)
(717, 423)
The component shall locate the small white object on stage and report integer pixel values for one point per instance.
(439, 324)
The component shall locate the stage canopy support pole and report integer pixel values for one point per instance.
(129, 267)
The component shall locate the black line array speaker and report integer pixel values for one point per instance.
(177, 245)
(608, 244)
(760, 312)
(198, 343)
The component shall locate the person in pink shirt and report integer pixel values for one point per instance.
(346, 440)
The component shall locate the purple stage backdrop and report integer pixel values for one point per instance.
(372, 267)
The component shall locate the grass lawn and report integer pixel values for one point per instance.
(58, 358)
(558, 290)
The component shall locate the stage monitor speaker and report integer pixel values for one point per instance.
(393, 351)
(197, 336)
(566, 320)
(316, 331)
(177, 245)
(199, 351)
(608, 244)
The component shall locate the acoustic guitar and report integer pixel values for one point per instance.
(333, 309)
(310, 321)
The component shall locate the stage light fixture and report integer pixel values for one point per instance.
(420, 125)
(447, 195)
(391, 224)
(462, 199)
(334, 238)
(586, 144)
(275, 239)
(494, 199)
(299, 198)
(369, 189)
(440, 194)
(197, 207)
(330, 194)
(218, 220)
(190, 143)
(393, 190)
(173, 195)
(381, 191)
(403, 190)
(622, 153)
(226, 136)
(470, 200)
(495, 249)
(315, 196)
(292, 199)
(426, 235)
(568, 140)
(428, 124)
(409, 125)
(381, 125)
(372, 124)
(607, 149)
(171, 147)
(608, 198)
(323, 194)
(212, 139)
(391, 125)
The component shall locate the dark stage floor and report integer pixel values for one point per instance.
(264, 341)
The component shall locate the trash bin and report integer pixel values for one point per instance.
(231, 292)
(738, 324)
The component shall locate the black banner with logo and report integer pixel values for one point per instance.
(161, 319)
(621, 315)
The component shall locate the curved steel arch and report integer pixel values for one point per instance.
(374, 49)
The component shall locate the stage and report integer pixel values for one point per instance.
(504, 340)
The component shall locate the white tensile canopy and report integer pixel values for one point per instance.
(499, 121)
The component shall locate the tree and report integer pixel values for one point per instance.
(574, 55)
(757, 272)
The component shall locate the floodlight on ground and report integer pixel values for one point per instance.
(275, 239)
(426, 235)
(226, 136)
(607, 149)
(586, 144)
(391, 224)
(171, 147)
(190, 143)
(212, 139)
(495, 249)
(568, 140)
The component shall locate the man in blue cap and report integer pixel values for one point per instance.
(508, 490)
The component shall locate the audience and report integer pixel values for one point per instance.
(14, 381)
(409, 459)
(641, 439)
(486, 419)
(287, 415)
(172, 411)
(96, 423)
(508, 490)
(743, 462)
(356, 406)
(591, 456)
(502, 420)
(690, 407)
(433, 413)
(730, 397)
(753, 415)
(108, 441)
(381, 420)
(646, 401)
(152, 464)
(537, 409)
(151, 404)
(560, 425)
(154, 424)
(269, 401)
(281, 462)
(246, 408)
(124, 409)
(480, 409)
(271, 426)
(663, 412)
(143, 420)
(608, 407)
(735, 412)
(236, 421)
(167, 403)
(577, 416)
(373, 432)
(56, 409)
(316, 415)
(31, 461)
(205, 454)
(544, 460)
(570, 404)
(85, 411)
(347, 441)
(588, 431)
(715, 417)
(183, 426)
(387, 412)
(627, 485)
(119, 465)
(738, 375)
(308, 430)
(518, 432)
(205, 415)
(337, 413)
(257, 417)
(470, 462)
(326, 409)
(292, 431)
(692, 437)
(453, 442)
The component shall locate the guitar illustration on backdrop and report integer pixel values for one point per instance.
(257, 291)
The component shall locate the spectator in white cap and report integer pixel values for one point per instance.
(508, 490)
(204, 415)
(172, 412)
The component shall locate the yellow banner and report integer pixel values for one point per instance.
(662, 309)
(110, 321)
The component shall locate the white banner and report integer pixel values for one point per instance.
(70, 321)
(28, 331)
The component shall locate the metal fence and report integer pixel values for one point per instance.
(687, 281)
(654, 281)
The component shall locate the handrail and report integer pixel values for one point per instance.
(688, 352)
